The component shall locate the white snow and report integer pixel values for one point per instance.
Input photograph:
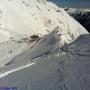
(44, 66)
(23, 18)
(16, 69)
(73, 10)
(28, 17)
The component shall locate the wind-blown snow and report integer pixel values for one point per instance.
(27, 17)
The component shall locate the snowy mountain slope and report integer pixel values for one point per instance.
(11, 47)
(42, 64)
(45, 45)
(28, 17)
(64, 70)
(4, 35)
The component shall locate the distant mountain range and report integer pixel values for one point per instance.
(81, 15)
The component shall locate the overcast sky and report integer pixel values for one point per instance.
(73, 3)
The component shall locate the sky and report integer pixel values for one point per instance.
(73, 3)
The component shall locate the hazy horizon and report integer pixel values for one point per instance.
(73, 3)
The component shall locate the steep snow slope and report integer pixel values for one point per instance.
(19, 18)
(11, 47)
(47, 43)
(55, 70)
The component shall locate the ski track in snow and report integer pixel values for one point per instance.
(14, 70)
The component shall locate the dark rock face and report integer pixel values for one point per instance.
(68, 69)
(83, 17)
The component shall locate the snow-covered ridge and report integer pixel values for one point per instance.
(20, 18)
